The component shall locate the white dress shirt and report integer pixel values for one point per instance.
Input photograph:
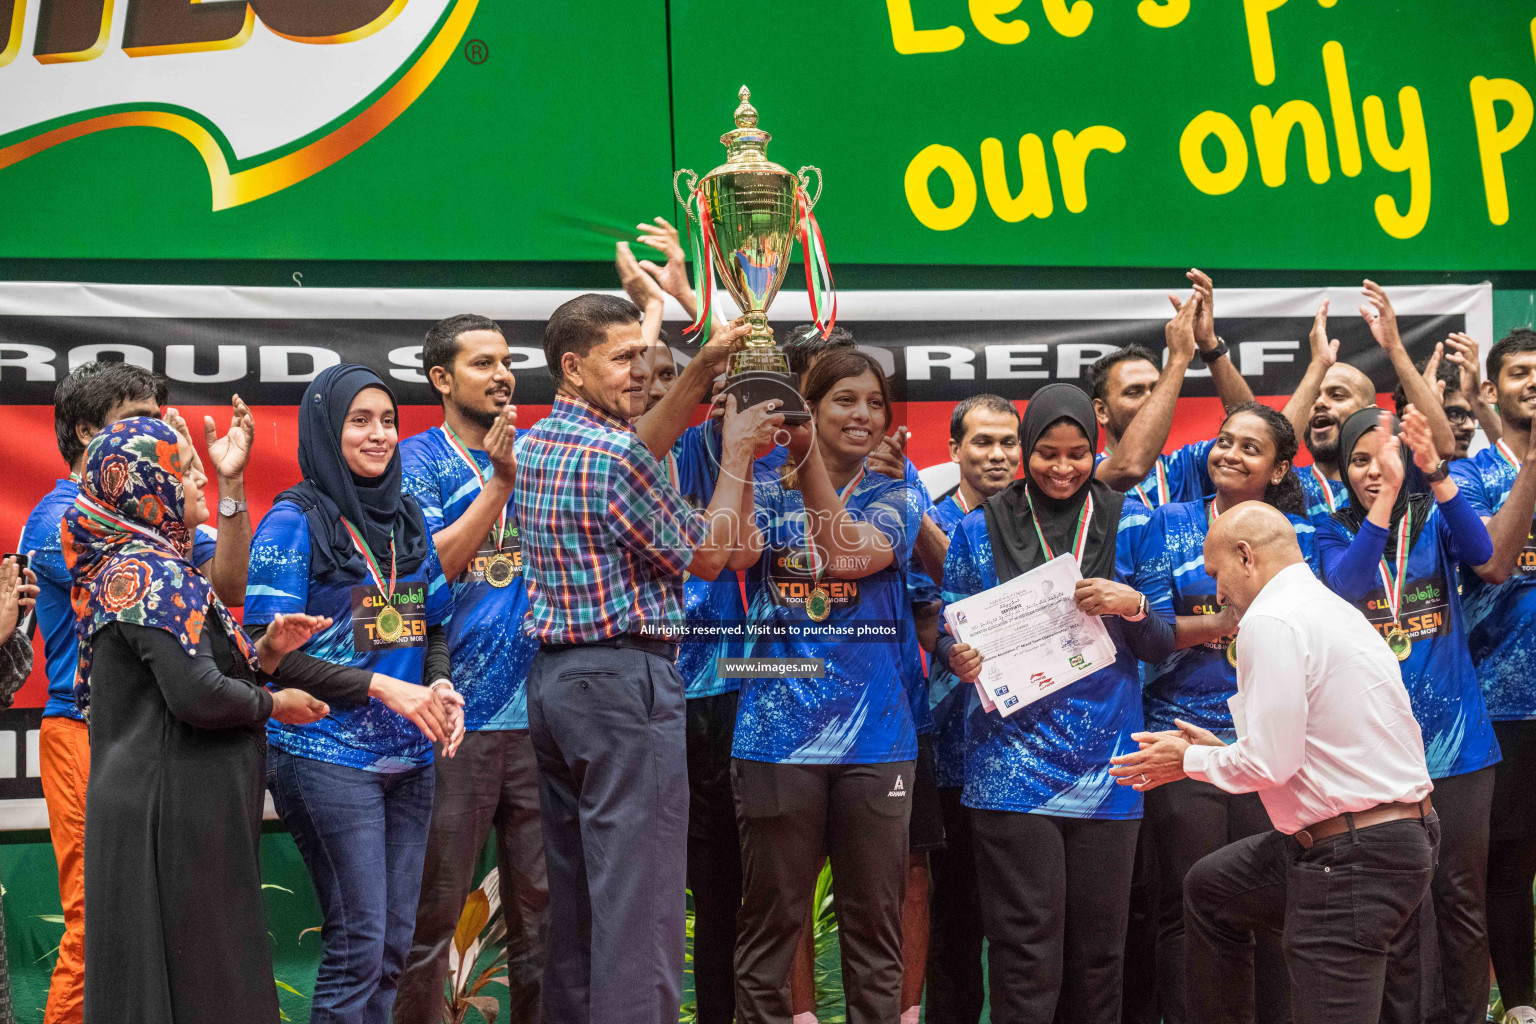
(1328, 726)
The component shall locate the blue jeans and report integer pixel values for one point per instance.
(363, 836)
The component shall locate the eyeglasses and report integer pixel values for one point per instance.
(1459, 417)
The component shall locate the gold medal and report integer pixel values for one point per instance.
(1232, 652)
(818, 604)
(390, 624)
(500, 570)
(1399, 642)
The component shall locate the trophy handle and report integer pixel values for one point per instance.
(693, 180)
(805, 185)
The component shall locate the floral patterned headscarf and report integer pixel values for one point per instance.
(129, 549)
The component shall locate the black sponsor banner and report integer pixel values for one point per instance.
(269, 362)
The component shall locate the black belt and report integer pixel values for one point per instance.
(661, 648)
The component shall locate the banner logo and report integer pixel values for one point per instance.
(269, 92)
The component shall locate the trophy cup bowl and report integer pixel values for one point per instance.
(750, 216)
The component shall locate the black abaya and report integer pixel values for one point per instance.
(176, 930)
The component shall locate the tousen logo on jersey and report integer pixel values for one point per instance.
(269, 92)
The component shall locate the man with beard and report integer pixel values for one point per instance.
(1332, 391)
(461, 474)
(1500, 604)
(984, 442)
(1128, 391)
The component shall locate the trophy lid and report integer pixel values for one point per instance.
(746, 146)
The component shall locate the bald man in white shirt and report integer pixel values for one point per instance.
(1328, 740)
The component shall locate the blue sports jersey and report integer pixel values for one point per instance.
(1312, 485)
(859, 712)
(370, 736)
(1182, 476)
(1439, 676)
(490, 652)
(1192, 684)
(712, 607)
(1501, 618)
(920, 590)
(55, 615)
(1052, 756)
(946, 694)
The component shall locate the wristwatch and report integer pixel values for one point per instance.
(1441, 472)
(1209, 357)
(229, 507)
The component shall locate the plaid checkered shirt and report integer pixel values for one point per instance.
(606, 538)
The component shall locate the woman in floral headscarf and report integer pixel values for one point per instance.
(173, 692)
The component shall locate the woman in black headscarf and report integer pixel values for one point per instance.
(1397, 557)
(355, 789)
(1055, 837)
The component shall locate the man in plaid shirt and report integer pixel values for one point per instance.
(607, 541)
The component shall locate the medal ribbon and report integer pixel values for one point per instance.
(1507, 455)
(818, 270)
(1163, 490)
(702, 241)
(1393, 588)
(1080, 535)
(847, 489)
(373, 566)
(462, 451)
(960, 500)
(1326, 486)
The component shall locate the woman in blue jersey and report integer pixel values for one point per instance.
(1055, 838)
(355, 788)
(1250, 460)
(1396, 556)
(823, 764)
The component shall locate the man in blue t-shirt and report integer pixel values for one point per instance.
(92, 396)
(461, 473)
(1499, 600)
(1135, 402)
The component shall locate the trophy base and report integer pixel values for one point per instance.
(754, 387)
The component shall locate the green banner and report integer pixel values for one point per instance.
(1273, 134)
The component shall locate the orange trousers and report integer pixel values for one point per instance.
(65, 759)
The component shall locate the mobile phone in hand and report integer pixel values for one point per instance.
(29, 620)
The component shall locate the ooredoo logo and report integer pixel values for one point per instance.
(269, 92)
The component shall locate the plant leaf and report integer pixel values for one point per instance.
(51, 918)
(289, 988)
(477, 910)
(268, 885)
(306, 931)
(487, 1006)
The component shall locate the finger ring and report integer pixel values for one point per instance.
(781, 437)
(1143, 778)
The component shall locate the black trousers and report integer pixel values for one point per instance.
(954, 986)
(1350, 907)
(1512, 863)
(790, 817)
(1054, 898)
(607, 725)
(492, 782)
(1138, 988)
(1459, 895)
(1189, 820)
(714, 855)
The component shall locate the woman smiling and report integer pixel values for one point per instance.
(1055, 838)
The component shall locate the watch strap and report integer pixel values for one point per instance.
(1210, 356)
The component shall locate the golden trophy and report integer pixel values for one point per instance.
(746, 215)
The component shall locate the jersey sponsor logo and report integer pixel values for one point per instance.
(268, 92)
(792, 577)
(1425, 612)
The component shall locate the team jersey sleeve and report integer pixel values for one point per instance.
(1189, 472)
(205, 541)
(277, 582)
(41, 538)
(1470, 482)
(419, 478)
(1151, 571)
(439, 594)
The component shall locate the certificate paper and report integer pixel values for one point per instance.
(1033, 638)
